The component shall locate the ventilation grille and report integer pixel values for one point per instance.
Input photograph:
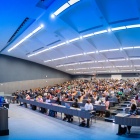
(23, 26)
(44, 4)
(38, 49)
(54, 42)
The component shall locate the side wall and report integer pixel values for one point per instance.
(107, 76)
(21, 74)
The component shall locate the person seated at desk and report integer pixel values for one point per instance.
(27, 97)
(133, 111)
(75, 105)
(88, 107)
(133, 101)
(39, 99)
(48, 99)
(58, 101)
(107, 102)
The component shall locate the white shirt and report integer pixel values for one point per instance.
(48, 100)
(88, 106)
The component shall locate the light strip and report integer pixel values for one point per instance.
(133, 26)
(112, 50)
(59, 66)
(81, 68)
(47, 61)
(29, 35)
(101, 61)
(116, 60)
(47, 49)
(100, 32)
(75, 39)
(95, 67)
(59, 58)
(121, 66)
(118, 28)
(69, 69)
(88, 35)
(101, 71)
(90, 52)
(61, 9)
(136, 65)
(108, 67)
(137, 47)
(87, 62)
(134, 58)
(75, 55)
(88, 72)
(114, 71)
(70, 64)
(127, 48)
(103, 51)
(91, 34)
(78, 72)
(71, 2)
(126, 70)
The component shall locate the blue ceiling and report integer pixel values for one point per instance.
(76, 22)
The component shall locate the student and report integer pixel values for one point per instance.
(88, 107)
(133, 111)
(75, 105)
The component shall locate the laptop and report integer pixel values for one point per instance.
(67, 105)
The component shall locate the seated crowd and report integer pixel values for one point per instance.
(97, 90)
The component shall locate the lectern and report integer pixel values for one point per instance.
(4, 122)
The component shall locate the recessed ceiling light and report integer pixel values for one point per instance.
(109, 30)
(52, 16)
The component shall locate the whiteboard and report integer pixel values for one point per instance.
(116, 77)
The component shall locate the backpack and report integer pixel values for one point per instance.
(52, 113)
(83, 124)
(107, 114)
(123, 130)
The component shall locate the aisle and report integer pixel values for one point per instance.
(26, 124)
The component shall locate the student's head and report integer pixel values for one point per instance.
(133, 107)
(133, 101)
(88, 101)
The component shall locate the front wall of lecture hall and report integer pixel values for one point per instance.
(70, 69)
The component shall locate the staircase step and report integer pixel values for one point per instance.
(124, 105)
(127, 102)
(109, 119)
(120, 109)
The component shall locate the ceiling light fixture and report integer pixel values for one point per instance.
(61, 9)
(100, 32)
(71, 2)
(133, 26)
(75, 39)
(88, 35)
(75, 55)
(92, 34)
(118, 28)
(26, 37)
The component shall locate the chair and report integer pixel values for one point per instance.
(93, 116)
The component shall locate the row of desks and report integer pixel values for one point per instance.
(62, 109)
(96, 107)
(126, 120)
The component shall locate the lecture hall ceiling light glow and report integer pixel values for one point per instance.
(78, 36)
